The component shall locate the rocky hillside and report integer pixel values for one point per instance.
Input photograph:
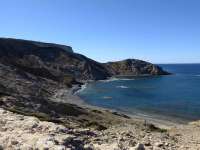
(134, 67)
(60, 63)
(32, 73)
(52, 61)
(38, 79)
(24, 132)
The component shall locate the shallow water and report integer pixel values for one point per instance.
(175, 96)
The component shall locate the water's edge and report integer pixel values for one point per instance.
(159, 120)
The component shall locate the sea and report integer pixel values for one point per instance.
(171, 97)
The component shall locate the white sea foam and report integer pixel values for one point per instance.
(82, 88)
(116, 79)
(126, 79)
(122, 86)
(109, 80)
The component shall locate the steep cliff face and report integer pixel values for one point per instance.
(133, 67)
(52, 61)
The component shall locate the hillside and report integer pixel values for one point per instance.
(33, 73)
(59, 62)
(24, 132)
(134, 67)
(38, 79)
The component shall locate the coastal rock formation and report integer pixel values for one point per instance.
(134, 67)
(61, 64)
(52, 61)
(32, 73)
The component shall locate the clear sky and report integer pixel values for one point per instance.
(160, 31)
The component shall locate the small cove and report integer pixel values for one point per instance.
(173, 97)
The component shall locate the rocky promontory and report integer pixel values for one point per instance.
(134, 67)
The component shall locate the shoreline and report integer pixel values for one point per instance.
(150, 119)
(159, 121)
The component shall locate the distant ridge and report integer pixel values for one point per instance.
(38, 43)
(55, 61)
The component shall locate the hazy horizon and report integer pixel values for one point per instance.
(161, 32)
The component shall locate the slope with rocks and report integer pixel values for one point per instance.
(52, 61)
(24, 132)
(33, 73)
(134, 67)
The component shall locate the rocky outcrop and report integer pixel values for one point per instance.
(134, 67)
(22, 132)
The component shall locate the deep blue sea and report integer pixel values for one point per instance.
(175, 96)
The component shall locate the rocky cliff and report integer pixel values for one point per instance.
(52, 61)
(133, 67)
(60, 63)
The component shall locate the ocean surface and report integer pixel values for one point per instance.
(171, 97)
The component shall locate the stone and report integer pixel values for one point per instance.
(158, 144)
(139, 146)
(14, 142)
(88, 147)
(166, 144)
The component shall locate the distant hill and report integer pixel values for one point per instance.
(134, 67)
(54, 61)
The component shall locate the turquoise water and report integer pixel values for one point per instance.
(175, 96)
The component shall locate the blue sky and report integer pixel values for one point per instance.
(160, 31)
